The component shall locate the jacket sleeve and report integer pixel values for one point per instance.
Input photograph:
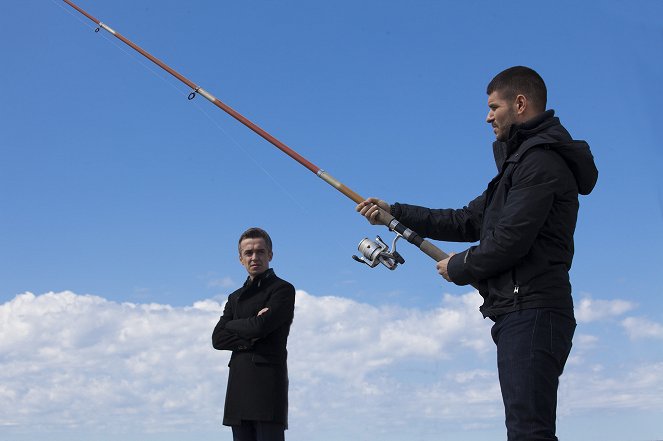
(461, 225)
(224, 339)
(281, 306)
(525, 211)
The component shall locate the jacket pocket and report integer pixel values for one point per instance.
(502, 287)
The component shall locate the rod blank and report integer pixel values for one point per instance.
(427, 247)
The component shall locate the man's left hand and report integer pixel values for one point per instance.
(442, 267)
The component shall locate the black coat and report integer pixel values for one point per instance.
(524, 221)
(258, 377)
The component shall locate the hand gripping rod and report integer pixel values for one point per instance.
(393, 224)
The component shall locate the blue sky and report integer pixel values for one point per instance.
(124, 201)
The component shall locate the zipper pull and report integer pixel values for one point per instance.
(515, 289)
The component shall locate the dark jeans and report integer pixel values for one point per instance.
(258, 431)
(532, 348)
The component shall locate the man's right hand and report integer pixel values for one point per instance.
(370, 210)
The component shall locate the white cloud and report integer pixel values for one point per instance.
(638, 388)
(344, 338)
(638, 327)
(83, 361)
(589, 310)
(74, 363)
(71, 360)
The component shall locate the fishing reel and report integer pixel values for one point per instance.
(379, 252)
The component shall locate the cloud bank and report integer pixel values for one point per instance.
(80, 364)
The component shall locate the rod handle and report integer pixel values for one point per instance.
(427, 247)
(432, 251)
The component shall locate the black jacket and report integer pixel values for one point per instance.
(258, 377)
(524, 221)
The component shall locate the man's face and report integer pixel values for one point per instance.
(502, 115)
(255, 256)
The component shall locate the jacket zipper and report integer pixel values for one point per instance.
(516, 289)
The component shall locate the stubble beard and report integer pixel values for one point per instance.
(505, 128)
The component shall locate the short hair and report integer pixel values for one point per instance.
(520, 80)
(255, 233)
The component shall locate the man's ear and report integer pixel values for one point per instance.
(521, 104)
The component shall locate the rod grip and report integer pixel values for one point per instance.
(432, 251)
(428, 248)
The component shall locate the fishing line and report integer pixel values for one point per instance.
(373, 252)
(167, 81)
(114, 42)
(253, 159)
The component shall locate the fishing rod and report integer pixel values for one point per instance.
(372, 252)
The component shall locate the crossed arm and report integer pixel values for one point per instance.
(241, 334)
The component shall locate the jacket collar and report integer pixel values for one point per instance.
(544, 128)
(257, 281)
(520, 132)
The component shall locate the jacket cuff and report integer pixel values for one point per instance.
(456, 269)
(395, 210)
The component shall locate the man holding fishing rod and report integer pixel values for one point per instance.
(524, 222)
(255, 325)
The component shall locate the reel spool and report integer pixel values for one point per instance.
(375, 252)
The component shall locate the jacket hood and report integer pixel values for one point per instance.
(547, 129)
